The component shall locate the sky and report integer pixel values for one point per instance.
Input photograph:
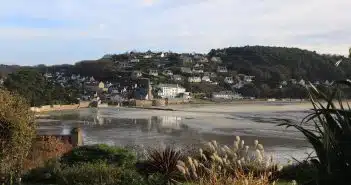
(66, 31)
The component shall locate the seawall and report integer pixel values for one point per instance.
(48, 108)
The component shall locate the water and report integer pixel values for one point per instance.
(185, 129)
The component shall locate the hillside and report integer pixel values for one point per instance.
(274, 64)
(270, 66)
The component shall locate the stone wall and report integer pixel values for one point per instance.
(47, 108)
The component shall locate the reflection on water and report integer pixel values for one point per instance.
(111, 127)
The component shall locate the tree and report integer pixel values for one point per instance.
(29, 84)
(17, 130)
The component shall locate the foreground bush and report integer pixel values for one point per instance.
(97, 153)
(328, 129)
(17, 130)
(43, 149)
(89, 174)
(217, 164)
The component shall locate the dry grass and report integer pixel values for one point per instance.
(239, 164)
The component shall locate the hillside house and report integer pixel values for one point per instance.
(217, 60)
(302, 82)
(293, 81)
(153, 72)
(238, 85)
(198, 70)
(187, 60)
(194, 79)
(170, 90)
(200, 66)
(137, 74)
(186, 70)
(168, 72)
(226, 95)
(125, 65)
(177, 78)
(202, 59)
(134, 60)
(222, 69)
(228, 80)
(206, 79)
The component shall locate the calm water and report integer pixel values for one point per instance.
(154, 128)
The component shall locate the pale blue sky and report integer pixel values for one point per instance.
(66, 31)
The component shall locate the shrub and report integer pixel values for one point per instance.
(328, 129)
(17, 130)
(95, 153)
(164, 162)
(49, 173)
(220, 163)
(44, 149)
(89, 174)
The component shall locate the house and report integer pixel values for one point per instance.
(222, 69)
(197, 65)
(147, 56)
(170, 90)
(316, 83)
(92, 79)
(248, 79)
(102, 86)
(206, 79)
(177, 78)
(187, 60)
(284, 83)
(302, 82)
(198, 70)
(186, 70)
(228, 80)
(153, 72)
(125, 65)
(203, 60)
(226, 95)
(217, 60)
(134, 60)
(238, 85)
(137, 74)
(293, 81)
(214, 83)
(48, 75)
(210, 74)
(168, 72)
(194, 79)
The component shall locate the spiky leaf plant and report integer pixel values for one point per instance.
(328, 129)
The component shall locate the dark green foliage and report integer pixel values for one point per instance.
(328, 129)
(32, 85)
(90, 174)
(163, 162)
(95, 153)
(48, 174)
(303, 173)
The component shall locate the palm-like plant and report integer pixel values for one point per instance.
(164, 162)
(328, 129)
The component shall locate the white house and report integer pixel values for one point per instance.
(302, 82)
(194, 79)
(228, 80)
(134, 60)
(137, 74)
(153, 72)
(177, 78)
(293, 81)
(206, 79)
(186, 70)
(226, 95)
(125, 65)
(216, 60)
(168, 72)
(170, 90)
(198, 70)
(222, 69)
